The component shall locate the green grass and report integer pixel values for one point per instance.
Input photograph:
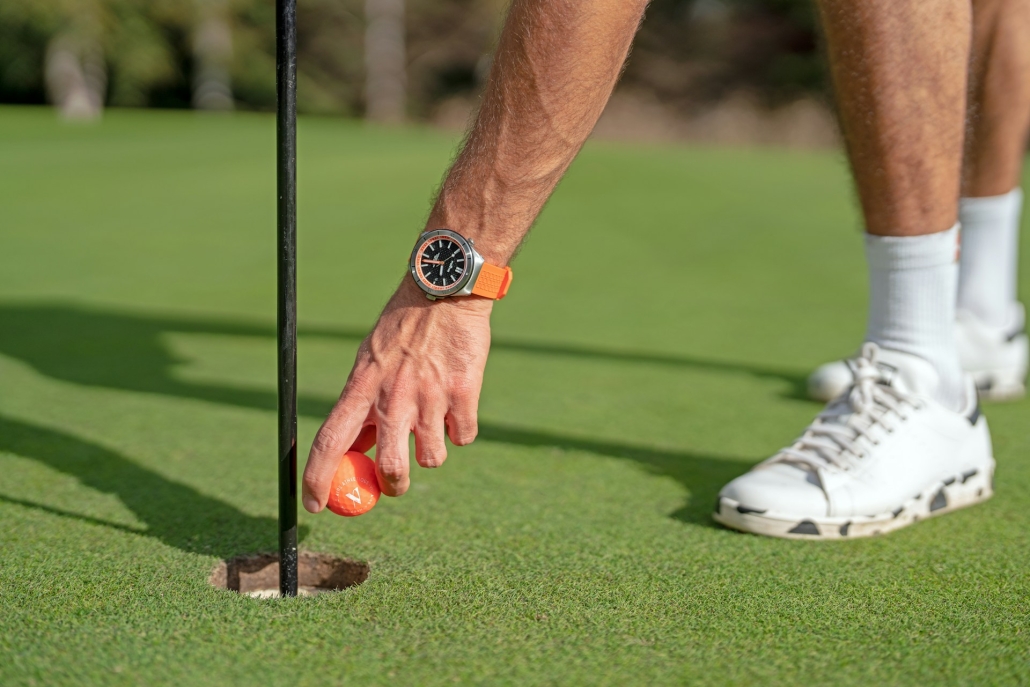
(665, 313)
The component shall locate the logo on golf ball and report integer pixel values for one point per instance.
(355, 488)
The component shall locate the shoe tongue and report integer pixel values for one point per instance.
(907, 373)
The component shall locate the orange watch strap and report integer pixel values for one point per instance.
(493, 282)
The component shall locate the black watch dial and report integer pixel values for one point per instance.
(441, 263)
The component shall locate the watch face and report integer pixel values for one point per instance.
(441, 264)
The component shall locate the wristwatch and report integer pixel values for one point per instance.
(444, 263)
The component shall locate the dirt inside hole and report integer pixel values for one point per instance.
(257, 575)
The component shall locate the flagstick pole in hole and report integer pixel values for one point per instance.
(286, 225)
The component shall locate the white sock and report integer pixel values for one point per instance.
(990, 257)
(912, 286)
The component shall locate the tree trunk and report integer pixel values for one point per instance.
(385, 79)
(76, 79)
(212, 57)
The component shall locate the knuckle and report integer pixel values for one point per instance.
(315, 486)
(328, 440)
(464, 390)
(465, 435)
(433, 457)
(394, 400)
(460, 399)
(317, 478)
(392, 470)
(362, 384)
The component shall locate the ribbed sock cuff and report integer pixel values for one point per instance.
(890, 253)
(990, 210)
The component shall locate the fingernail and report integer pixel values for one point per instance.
(310, 504)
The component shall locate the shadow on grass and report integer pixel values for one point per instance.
(703, 476)
(174, 513)
(125, 351)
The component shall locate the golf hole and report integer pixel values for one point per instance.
(257, 575)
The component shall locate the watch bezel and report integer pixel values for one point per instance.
(414, 268)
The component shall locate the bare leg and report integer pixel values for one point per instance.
(898, 76)
(900, 73)
(999, 116)
(899, 69)
(999, 112)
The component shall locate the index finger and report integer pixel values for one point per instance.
(343, 429)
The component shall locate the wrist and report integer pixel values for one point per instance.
(409, 295)
(496, 238)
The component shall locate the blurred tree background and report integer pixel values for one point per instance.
(385, 59)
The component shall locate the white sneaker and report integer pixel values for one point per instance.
(996, 359)
(878, 458)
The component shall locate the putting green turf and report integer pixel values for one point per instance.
(664, 314)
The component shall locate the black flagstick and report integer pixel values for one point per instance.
(286, 225)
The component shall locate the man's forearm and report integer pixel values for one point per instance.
(421, 367)
(555, 68)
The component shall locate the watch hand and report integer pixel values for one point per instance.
(432, 262)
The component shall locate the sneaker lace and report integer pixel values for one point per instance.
(833, 440)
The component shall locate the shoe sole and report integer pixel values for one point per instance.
(996, 386)
(965, 489)
(1000, 385)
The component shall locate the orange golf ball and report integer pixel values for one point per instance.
(355, 488)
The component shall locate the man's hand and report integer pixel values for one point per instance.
(420, 369)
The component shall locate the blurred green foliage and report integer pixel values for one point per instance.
(688, 52)
(141, 43)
